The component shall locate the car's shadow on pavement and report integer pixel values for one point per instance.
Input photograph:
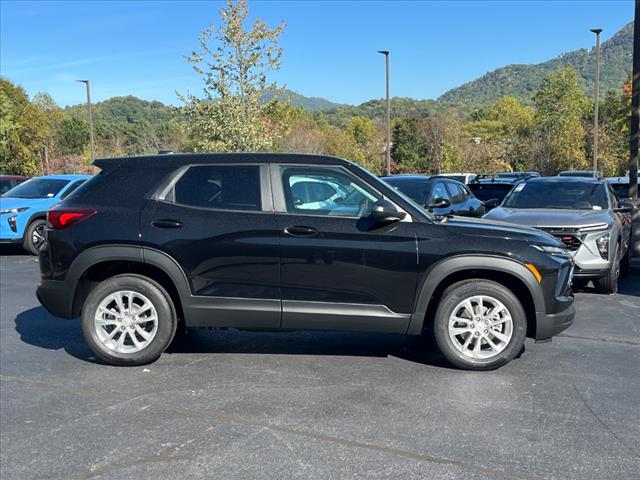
(37, 327)
(11, 250)
(629, 286)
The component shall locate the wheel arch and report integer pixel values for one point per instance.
(99, 263)
(510, 273)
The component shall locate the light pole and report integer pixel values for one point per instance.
(597, 31)
(93, 153)
(386, 55)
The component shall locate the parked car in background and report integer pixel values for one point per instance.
(7, 182)
(465, 178)
(512, 176)
(584, 214)
(491, 193)
(620, 185)
(218, 241)
(23, 209)
(580, 173)
(438, 194)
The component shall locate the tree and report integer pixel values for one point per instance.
(48, 119)
(234, 62)
(19, 131)
(558, 140)
(73, 135)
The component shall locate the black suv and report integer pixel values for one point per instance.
(286, 242)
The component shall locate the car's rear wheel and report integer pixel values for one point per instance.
(34, 236)
(479, 325)
(609, 283)
(128, 320)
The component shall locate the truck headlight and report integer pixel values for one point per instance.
(602, 243)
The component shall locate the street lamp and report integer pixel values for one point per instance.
(386, 55)
(597, 31)
(93, 153)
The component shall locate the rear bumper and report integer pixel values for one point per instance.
(550, 324)
(56, 297)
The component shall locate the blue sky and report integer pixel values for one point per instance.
(136, 48)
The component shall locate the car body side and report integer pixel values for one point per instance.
(421, 258)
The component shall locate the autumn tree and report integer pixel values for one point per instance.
(234, 61)
(558, 139)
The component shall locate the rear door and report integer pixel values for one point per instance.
(217, 222)
(340, 270)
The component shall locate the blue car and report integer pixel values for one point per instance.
(23, 209)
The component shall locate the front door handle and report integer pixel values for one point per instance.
(300, 231)
(167, 223)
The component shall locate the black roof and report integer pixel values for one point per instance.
(179, 159)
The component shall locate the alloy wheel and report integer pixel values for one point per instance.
(126, 322)
(480, 327)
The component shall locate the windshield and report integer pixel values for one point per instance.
(558, 195)
(37, 188)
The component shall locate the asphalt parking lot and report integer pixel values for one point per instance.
(322, 405)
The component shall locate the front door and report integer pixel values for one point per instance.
(340, 269)
(217, 222)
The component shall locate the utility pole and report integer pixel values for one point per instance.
(597, 31)
(91, 146)
(388, 147)
(635, 106)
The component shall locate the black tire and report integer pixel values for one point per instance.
(609, 283)
(466, 289)
(29, 243)
(625, 264)
(161, 301)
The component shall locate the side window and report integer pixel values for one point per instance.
(439, 192)
(225, 187)
(326, 191)
(71, 189)
(458, 195)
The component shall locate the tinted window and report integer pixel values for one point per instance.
(488, 191)
(458, 195)
(621, 189)
(228, 187)
(6, 185)
(439, 192)
(561, 195)
(416, 190)
(37, 188)
(351, 197)
(71, 189)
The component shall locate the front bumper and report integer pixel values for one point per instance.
(550, 324)
(56, 297)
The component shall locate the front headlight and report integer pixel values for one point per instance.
(602, 243)
(551, 250)
(13, 210)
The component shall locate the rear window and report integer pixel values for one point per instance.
(416, 190)
(486, 192)
(225, 187)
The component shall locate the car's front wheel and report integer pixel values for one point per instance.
(128, 320)
(479, 325)
(34, 236)
(609, 283)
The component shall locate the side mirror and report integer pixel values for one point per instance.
(439, 203)
(624, 207)
(491, 203)
(385, 211)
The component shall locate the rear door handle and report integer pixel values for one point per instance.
(300, 231)
(167, 223)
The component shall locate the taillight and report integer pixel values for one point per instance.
(63, 218)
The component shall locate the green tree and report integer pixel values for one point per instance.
(72, 135)
(234, 61)
(558, 140)
(20, 132)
